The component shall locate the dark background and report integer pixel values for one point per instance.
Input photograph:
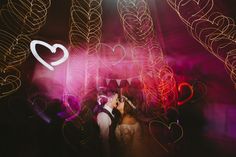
(209, 123)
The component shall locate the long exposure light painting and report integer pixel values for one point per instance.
(61, 62)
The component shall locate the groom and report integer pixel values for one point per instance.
(107, 120)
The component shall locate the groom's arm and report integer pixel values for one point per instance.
(104, 123)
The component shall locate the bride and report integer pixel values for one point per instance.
(128, 131)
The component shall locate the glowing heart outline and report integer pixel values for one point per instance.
(169, 126)
(12, 80)
(190, 87)
(113, 49)
(53, 49)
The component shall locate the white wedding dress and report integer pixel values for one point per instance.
(129, 137)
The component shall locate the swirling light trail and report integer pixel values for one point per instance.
(85, 33)
(86, 23)
(19, 20)
(213, 30)
(139, 30)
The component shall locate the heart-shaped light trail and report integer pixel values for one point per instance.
(114, 54)
(190, 87)
(53, 49)
(168, 127)
(9, 81)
